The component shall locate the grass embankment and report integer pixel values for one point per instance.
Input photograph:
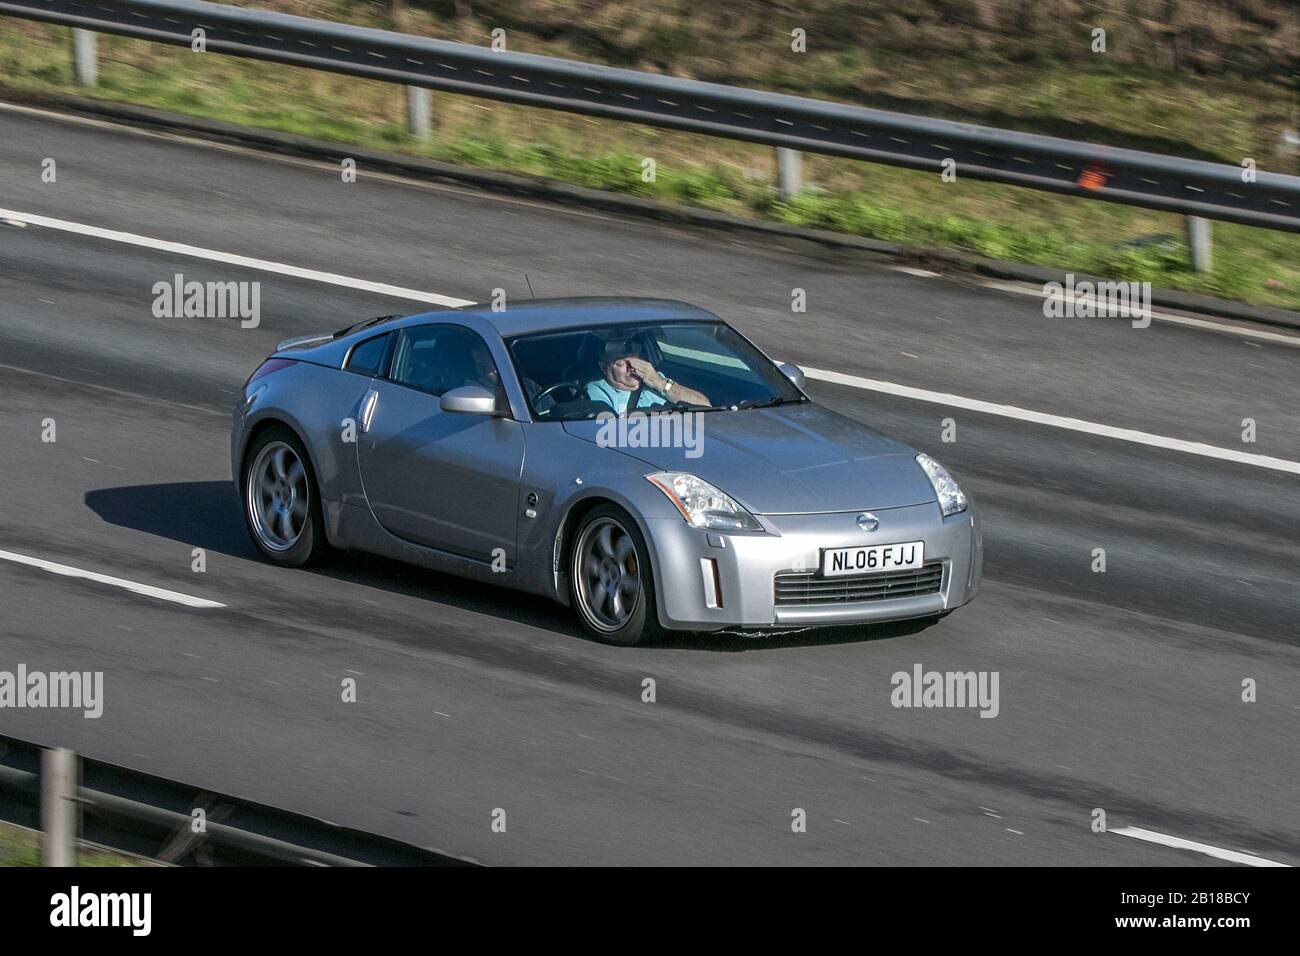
(1087, 96)
(21, 847)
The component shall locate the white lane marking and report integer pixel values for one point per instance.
(1232, 856)
(1056, 421)
(1091, 300)
(468, 191)
(190, 140)
(148, 590)
(227, 258)
(838, 378)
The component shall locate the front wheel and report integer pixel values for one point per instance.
(612, 584)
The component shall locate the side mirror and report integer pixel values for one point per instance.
(469, 400)
(794, 373)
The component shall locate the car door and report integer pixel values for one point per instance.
(445, 480)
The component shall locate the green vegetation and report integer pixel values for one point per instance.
(934, 64)
(21, 847)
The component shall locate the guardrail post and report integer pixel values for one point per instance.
(789, 165)
(58, 807)
(1198, 239)
(417, 111)
(84, 65)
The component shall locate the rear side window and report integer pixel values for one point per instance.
(367, 357)
(438, 358)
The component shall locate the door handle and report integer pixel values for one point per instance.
(368, 409)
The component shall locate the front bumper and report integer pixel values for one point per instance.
(710, 580)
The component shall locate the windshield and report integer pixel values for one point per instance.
(582, 373)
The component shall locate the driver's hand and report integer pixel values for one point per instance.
(647, 373)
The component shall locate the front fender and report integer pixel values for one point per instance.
(566, 473)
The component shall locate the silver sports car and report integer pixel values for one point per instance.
(639, 460)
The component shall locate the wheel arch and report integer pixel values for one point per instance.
(273, 420)
(566, 536)
(263, 424)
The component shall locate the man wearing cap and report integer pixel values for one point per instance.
(630, 381)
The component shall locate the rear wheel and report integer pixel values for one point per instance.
(611, 581)
(281, 499)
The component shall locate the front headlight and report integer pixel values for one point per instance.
(952, 500)
(701, 504)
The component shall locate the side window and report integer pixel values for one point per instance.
(367, 357)
(438, 358)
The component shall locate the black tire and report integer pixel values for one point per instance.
(641, 624)
(309, 544)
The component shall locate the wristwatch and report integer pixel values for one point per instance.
(668, 383)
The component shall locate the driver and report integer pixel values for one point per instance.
(626, 374)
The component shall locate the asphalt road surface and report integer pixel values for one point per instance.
(1119, 690)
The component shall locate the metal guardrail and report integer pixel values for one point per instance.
(149, 816)
(1191, 187)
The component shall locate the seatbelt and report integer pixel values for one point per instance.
(634, 400)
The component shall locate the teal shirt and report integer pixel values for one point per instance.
(617, 399)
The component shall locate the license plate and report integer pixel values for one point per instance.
(874, 559)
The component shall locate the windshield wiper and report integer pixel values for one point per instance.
(735, 406)
(665, 407)
(766, 403)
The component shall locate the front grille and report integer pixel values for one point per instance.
(799, 588)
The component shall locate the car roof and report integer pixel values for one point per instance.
(519, 318)
(543, 315)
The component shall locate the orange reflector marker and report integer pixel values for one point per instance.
(1093, 177)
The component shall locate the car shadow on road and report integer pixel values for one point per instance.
(206, 514)
(202, 514)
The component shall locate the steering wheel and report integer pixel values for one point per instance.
(576, 390)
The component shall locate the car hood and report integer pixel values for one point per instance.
(792, 459)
